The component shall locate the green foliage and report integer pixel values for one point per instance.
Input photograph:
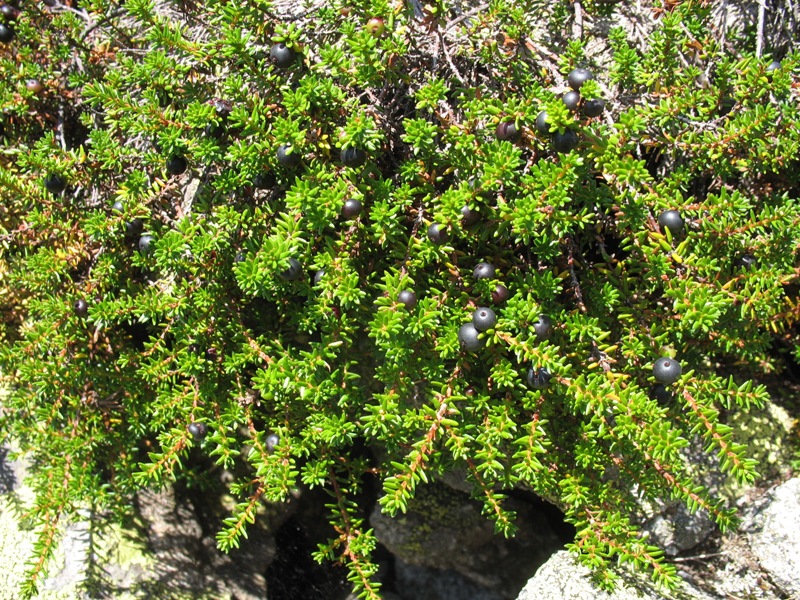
(211, 325)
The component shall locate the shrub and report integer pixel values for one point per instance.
(180, 175)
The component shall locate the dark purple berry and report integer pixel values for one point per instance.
(543, 327)
(281, 55)
(133, 228)
(672, 220)
(468, 338)
(215, 130)
(541, 125)
(775, 65)
(565, 142)
(55, 184)
(352, 157)
(6, 33)
(666, 370)
(661, 394)
(81, 307)
(469, 216)
(288, 156)
(483, 270)
(500, 294)
(176, 165)
(293, 271)
(577, 77)
(264, 180)
(507, 130)
(437, 234)
(594, 107)
(222, 107)
(146, 244)
(352, 208)
(271, 441)
(198, 431)
(318, 276)
(571, 100)
(118, 207)
(408, 299)
(747, 262)
(484, 318)
(538, 378)
(10, 13)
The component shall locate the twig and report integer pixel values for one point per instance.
(699, 556)
(762, 9)
(449, 59)
(577, 26)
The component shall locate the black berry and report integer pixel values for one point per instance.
(80, 308)
(775, 65)
(543, 327)
(500, 294)
(565, 142)
(437, 234)
(222, 107)
(352, 208)
(747, 262)
(468, 338)
(287, 156)
(198, 431)
(594, 107)
(469, 216)
(507, 130)
(176, 165)
(293, 271)
(281, 55)
(318, 276)
(407, 298)
(571, 100)
(484, 318)
(264, 180)
(271, 441)
(55, 183)
(538, 378)
(146, 243)
(6, 33)
(10, 13)
(541, 125)
(118, 207)
(577, 77)
(661, 394)
(726, 105)
(666, 370)
(215, 130)
(484, 270)
(352, 157)
(133, 228)
(672, 220)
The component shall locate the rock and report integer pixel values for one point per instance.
(775, 537)
(445, 530)
(414, 582)
(563, 578)
(165, 553)
(765, 432)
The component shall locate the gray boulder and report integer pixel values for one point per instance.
(774, 536)
(563, 578)
(445, 531)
